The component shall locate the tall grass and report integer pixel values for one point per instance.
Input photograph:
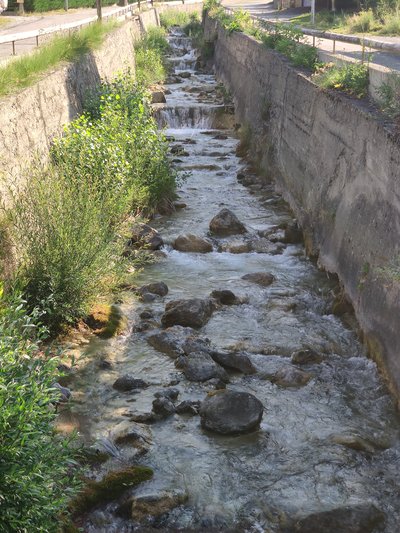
(150, 56)
(351, 78)
(25, 71)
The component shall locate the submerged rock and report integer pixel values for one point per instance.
(265, 246)
(226, 223)
(199, 366)
(133, 434)
(307, 356)
(170, 341)
(193, 313)
(260, 278)
(359, 518)
(159, 288)
(156, 504)
(356, 442)
(290, 376)
(111, 487)
(225, 297)
(234, 361)
(230, 412)
(144, 236)
(192, 243)
(128, 382)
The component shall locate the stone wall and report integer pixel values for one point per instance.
(337, 164)
(30, 119)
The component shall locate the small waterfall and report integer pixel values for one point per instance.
(196, 117)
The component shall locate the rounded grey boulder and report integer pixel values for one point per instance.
(229, 412)
(226, 223)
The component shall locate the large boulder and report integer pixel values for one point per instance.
(193, 313)
(199, 366)
(359, 518)
(226, 223)
(192, 243)
(234, 361)
(144, 236)
(230, 412)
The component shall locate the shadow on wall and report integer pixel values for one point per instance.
(80, 77)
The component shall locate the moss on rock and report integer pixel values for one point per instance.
(106, 320)
(109, 488)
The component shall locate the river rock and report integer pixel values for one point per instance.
(133, 434)
(225, 297)
(185, 75)
(355, 442)
(226, 223)
(260, 278)
(236, 247)
(144, 236)
(199, 366)
(128, 382)
(234, 361)
(146, 314)
(293, 234)
(192, 243)
(170, 341)
(193, 313)
(64, 393)
(163, 407)
(159, 288)
(158, 97)
(290, 376)
(305, 357)
(231, 412)
(156, 504)
(188, 407)
(196, 344)
(171, 394)
(265, 246)
(359, 518)
(178, 204)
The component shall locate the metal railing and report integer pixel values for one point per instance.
(365, 42)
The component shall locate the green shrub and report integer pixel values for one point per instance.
(35, 463)
(351, 78)
(389, 93)
(26, 70)
(363, 22)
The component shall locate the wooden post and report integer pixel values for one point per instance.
(99, 12)
(21, 10)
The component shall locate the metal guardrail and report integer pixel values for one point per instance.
(127, 11)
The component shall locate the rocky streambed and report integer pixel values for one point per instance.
(252, 403)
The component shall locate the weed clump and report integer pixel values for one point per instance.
(351, 78)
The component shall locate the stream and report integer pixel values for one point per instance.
(329, 437)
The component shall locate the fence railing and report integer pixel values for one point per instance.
(126, 11)
(367, 42)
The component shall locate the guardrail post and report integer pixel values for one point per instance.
(13, 48)
(334, 46)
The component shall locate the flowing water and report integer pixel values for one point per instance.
(293, 463)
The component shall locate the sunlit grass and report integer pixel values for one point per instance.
(24, 71)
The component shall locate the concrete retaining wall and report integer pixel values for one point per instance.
(338, 167)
